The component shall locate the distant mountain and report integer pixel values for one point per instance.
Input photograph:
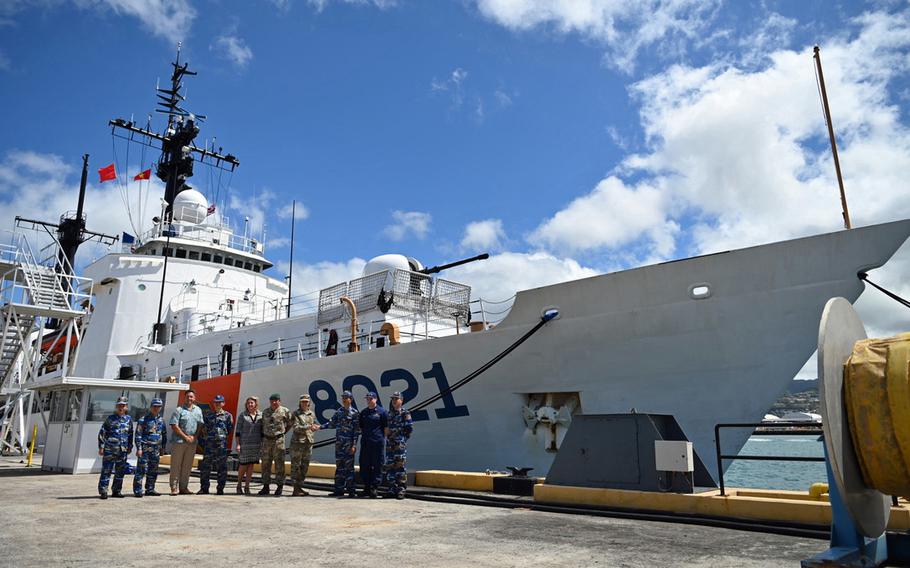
(801, 396)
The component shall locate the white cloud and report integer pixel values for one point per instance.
(300, 213)
(256, 208)
(773, 33)
(624, 28)
(453, 84)
(169, 19)
(310, 278)
(42, 186)
(416, 223)
(611, 216)
(487, 235)
(736, 157)
(234, 49)
(502, 98)
(321, 5)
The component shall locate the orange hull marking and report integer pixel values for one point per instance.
(227, 385)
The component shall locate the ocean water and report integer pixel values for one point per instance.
(796, 476)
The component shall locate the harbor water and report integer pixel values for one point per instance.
(795, 476)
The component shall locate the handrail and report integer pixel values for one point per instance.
(807, 428)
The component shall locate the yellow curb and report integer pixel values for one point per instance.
(468, 481)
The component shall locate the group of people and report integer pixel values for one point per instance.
(259, 437)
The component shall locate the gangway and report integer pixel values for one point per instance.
(33, 293)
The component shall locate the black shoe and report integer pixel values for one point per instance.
(364, 493)
(219, 491)
(374, 494)
(102, 494)
(352, 494)
(239, 489)
(399, 496)
(278, 491)
(264, 490)
(138, 494)
(152, 493)
(117, 495)
(202, 492)
(336, 494)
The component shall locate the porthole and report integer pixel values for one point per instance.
(141, 287)
(700, 291)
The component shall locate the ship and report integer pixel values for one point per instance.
(709, 339)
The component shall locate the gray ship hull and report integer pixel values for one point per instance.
(639, 339)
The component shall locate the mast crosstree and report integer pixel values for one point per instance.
(175, 166)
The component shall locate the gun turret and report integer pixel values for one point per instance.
(441, 267)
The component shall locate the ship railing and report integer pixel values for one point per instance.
(776, 428)
(310, 345)
(41, 284)
(407, 290)
(241, 243)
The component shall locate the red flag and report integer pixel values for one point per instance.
(143, 175)
(211, 210)
(107, 173)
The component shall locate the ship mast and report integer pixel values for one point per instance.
(178, 152)
(175, 166)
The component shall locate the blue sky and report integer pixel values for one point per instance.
(568, 138)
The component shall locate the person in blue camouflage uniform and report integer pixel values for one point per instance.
(396, 448)
(151, 438)
(346, 421)
(115, 442)
(219, 424)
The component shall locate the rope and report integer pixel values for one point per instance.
(863, 276)
(479, 371)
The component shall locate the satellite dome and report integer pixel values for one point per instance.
(386, 262)
(190, 206)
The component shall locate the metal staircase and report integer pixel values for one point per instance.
(31, 294)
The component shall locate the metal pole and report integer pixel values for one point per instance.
(167, 249)
(31, 446)
(720, 464)
(291, 268)
(840, 179)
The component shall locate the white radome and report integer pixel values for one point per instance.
(190, 206)
(390, 262)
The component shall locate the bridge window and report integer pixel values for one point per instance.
(181, 253)
(206, 257)
(256, 268)
(194, 255)
(218, 259)
(248, 265)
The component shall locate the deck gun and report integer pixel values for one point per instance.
(441, 267)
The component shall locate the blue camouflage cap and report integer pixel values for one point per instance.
(370, 394)
(218, 398)
(347, 394)
(395, 395)
(122, 400)
(157, 402)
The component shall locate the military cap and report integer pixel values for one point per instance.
(395, 395)
(122, 400)
(370, 394)
(304, 397)
(218, 398)
(274, 396)
(347, 394)
(157, 402)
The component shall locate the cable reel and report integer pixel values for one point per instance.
(865, 405)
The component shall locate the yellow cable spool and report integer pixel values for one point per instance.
(877, 401)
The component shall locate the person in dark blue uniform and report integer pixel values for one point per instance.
(151, 439)
(373, 422)
(115, 442)
(346, 421)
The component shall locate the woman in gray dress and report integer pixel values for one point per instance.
(249, 441)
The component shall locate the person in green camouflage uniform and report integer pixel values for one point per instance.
(276, 421)
(302, 439)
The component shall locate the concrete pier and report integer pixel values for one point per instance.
(58, 520)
